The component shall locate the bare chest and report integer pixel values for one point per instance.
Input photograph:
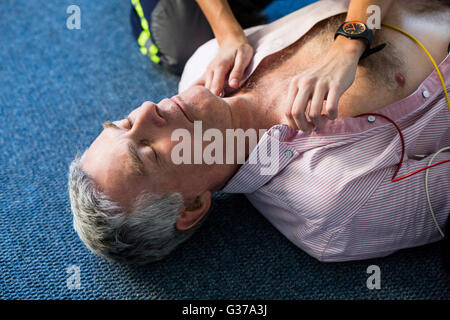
(381, 79)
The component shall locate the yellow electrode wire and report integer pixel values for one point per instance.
(429, 56)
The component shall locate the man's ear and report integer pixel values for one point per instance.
(193, 211)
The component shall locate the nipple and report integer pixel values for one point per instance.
(400, 79)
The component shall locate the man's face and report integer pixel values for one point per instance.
(133, 155)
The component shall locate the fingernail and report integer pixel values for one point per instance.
(234, 82)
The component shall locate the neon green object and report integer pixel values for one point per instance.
(146, 45)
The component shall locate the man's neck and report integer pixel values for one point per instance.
(249, 111)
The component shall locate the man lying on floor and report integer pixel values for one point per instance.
(330, 193)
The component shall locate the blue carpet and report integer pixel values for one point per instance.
(56, 87)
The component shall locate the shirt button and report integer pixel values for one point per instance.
(288, 153)
(425, 94)
(371, 119)
(276, 134)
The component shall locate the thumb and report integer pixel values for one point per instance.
(200, 81)
(243, 58)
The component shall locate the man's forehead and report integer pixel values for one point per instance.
(136, 161)
(110, 167)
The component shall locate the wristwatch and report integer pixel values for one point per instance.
(359, 30)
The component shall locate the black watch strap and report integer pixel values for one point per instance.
(373, 50)
(364, 35)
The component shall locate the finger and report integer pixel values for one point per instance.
(299, 108)
(218, 80)
(240, 63)
(292, 92)
(331, 106)
(208, 79)
(322, 120)
(199, 82)
(317, 103)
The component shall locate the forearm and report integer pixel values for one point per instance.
(222, 21)
(357, 11)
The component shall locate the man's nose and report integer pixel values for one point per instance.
(146, 120)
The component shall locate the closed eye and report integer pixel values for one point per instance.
(143, 142)
(146, 143)
(156, 155)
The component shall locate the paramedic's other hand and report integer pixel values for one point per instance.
(321, 86)
(228, 67)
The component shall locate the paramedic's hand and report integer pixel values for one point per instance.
(228, 66)
(322, 85)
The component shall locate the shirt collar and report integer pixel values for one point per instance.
(270, 156)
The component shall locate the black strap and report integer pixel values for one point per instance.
(370, 51)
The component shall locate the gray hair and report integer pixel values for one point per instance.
(145, 234)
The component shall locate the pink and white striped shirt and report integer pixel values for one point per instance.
(332, 194)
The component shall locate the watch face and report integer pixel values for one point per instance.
(354, 27)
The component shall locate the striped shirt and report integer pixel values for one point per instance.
(332, 194)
